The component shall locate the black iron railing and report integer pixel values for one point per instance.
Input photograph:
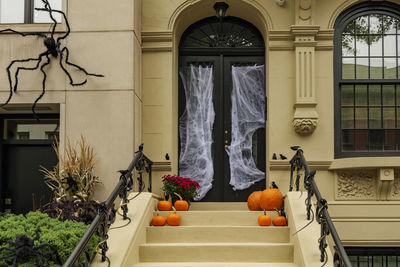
(80, 256)
(297, 163)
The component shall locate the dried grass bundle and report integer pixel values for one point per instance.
(73, 176)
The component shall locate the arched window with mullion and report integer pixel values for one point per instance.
(367, 85)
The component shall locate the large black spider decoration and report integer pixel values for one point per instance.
(24, 249)
(53, 48)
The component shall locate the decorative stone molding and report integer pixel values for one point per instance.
(385, 181)
(395, 188)
(305, 126)
(356, 185)
(304, 12)
(305, 117)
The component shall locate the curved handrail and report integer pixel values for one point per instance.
(297, 163)
(106, 213)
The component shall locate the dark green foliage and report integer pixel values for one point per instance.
(64, 235)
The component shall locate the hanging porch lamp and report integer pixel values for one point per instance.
(220, 9)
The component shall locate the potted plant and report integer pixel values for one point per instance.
(184, 187)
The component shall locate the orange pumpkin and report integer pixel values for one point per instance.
(174, 219)
(253, 201)
(181, 204)
(281, 219)
(164, 205)
(271, 199)
(264, 220)
(158, 221)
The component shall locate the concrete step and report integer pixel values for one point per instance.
(216, 252)
(214, 264)
(218, 218)
(219, 206)
(198, 234)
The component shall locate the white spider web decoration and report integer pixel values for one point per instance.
(248, 115)
(195, 128)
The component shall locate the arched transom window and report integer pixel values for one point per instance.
(367, 87)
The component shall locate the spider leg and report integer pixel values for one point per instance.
(24, 34)
(16, 75)
(39, 59)
(5, 248)
(43, 86)
(47, 8)
(76, 66)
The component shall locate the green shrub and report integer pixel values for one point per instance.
(63, 235)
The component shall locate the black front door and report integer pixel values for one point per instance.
(222, 66)
(216, 51)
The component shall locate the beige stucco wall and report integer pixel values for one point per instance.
(161, 31)
(105, 38)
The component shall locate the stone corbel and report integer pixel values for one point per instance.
(305, 118)
(385, 182)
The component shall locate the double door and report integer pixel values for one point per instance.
(222, 66)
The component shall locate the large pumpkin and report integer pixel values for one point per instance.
(181, 204)
(253, 201)
(271, 199)
(174, 219)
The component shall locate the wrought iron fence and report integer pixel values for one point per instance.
(80, 256)
(297, 164)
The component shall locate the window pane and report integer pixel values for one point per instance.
(347, 95)
(349, 29)
(375, 45)
(362, 118)
(389, 118)
(376, 138)
(392, 139)
(348, 45)
(398, 94)
(398, 118)
(43, 16)
(375, 23)
(389, 24)
(12, 11)
(375, 119)
(378, 261)
(376, 68)
(347, 118)
(361, 95)
(348, 68)
(361, 25)
(363, 261)
(362, 68)
(347, 140)
(389, 68)
(374, 95)
(388, 95)
(392, 261)
(31, 129)
(362, 46)
(389, 42)
(361, 140)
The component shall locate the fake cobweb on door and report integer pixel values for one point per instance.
(248, 115)
(195, 127)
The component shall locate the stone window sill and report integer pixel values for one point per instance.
(365, 162)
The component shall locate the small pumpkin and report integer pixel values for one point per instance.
(271, 199)
(264, 220)
(174, 219)
(164, 205)
(253, 201)
(158, 220)
(181, 204)
(280, 220)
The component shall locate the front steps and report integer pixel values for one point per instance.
(217, 235)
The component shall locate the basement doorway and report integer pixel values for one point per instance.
(25, 146)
